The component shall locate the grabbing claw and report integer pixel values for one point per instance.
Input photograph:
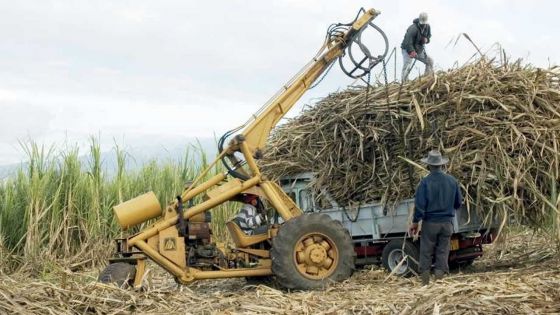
(362, 67)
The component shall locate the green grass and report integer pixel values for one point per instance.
(58, 205)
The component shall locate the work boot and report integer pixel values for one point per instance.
(425, 277)
(439, 274)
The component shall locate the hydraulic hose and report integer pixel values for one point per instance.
(231, 169)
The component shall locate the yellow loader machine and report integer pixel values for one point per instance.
(305, 251)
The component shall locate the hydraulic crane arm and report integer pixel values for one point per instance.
(164, 240)
(256, 133)
(252, 139)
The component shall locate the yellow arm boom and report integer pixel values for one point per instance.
(222, 188)
(257, 132)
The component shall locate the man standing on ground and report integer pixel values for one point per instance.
(413, 46)
(438, 196)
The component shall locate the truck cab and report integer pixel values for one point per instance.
(380, 231)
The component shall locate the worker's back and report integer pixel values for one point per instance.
(438, 195)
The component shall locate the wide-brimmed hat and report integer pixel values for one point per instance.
(435, 158)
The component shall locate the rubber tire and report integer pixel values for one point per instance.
(119, 273)
(283, 264)
(410, 249)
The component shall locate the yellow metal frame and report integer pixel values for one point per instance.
(252, 140)
(140, 271)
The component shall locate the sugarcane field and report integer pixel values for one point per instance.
(147, 165)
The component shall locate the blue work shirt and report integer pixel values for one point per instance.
(437, 197)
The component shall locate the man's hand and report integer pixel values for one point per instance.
(413, 229)
(424, 40)
(412, 54)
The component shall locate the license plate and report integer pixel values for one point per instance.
(454, 244)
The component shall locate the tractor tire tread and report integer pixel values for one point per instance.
(283, 266)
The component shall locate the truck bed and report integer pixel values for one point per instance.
(373, 221)
(376, 221)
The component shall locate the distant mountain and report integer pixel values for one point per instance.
(8, 170)
(163, 150)
(139, 152)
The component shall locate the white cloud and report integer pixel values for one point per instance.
(192, 68)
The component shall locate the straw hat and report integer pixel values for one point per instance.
(435, 158)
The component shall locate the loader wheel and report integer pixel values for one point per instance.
(119, 273)
(310, 251)
(393, 254)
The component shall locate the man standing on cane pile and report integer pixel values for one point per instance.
(437, 198)
(413, 46)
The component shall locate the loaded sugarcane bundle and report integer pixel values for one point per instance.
(499, 123)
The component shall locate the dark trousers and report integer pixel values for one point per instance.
(435, 236)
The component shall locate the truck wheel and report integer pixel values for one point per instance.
(119, 273)
(310, 251)
(394, 252)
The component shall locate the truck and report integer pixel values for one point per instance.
(379, 231)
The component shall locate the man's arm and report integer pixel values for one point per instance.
(420, 203)
(409, 39)
(458, 196)
(429, 33)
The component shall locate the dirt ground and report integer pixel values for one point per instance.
(521, 276)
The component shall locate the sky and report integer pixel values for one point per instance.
(138, 72)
